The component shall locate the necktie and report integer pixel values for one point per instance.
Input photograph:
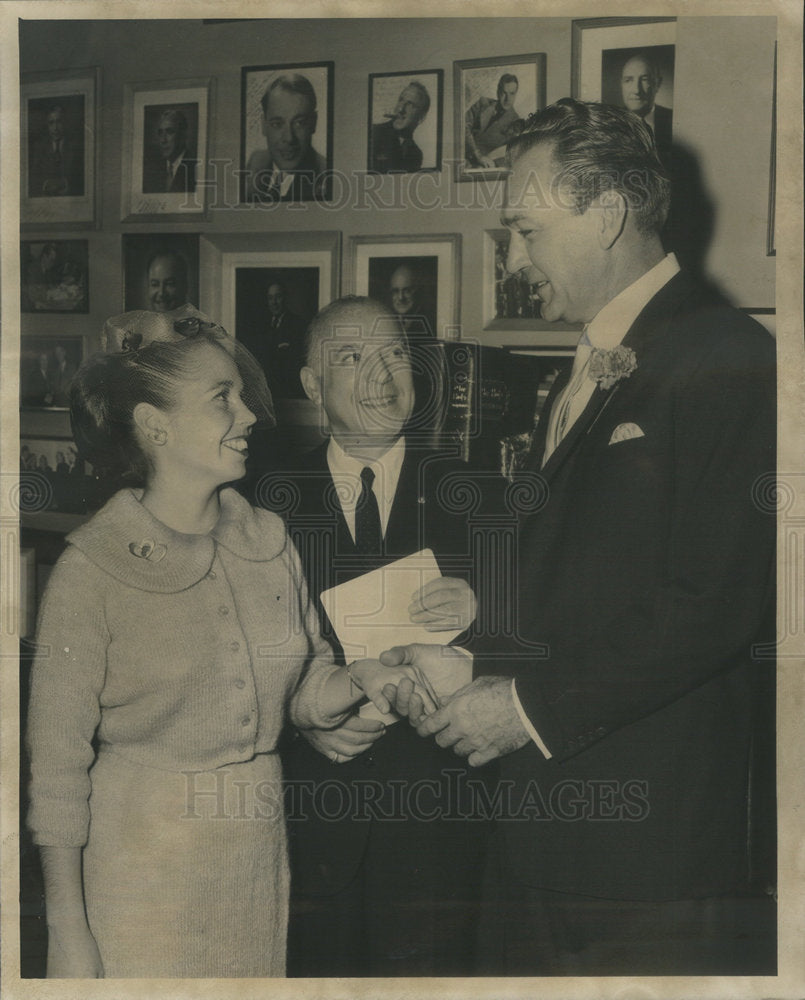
(577, 376)
(169, 178)
(368, 536)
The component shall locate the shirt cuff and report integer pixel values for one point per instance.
(546, 753)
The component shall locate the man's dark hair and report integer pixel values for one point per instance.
(597, 148)
(294, 83)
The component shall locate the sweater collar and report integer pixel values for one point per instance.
(125, 540)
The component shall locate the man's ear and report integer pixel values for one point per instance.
(612, 212)
(150, 422)
(311, 383)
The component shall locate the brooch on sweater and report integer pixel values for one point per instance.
(148, 549)
(609, 367)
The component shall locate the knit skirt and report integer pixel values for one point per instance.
(186, 873)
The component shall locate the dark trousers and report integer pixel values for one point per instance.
(527, 931)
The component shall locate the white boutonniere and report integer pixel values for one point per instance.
(609, 367)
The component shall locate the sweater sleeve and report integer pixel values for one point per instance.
(305, 707)
(66, 683)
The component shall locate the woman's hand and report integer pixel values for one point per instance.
(445, 603)
(371, 676)
(73, 953)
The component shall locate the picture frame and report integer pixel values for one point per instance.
(602, 48)
(771, 225)
(47, 366)
(405, 121)
(166, 149)
(431, 300)
(492, 97)
(59, 149)
(509, 313)
(54, 276)
(237, 275)
(170, 260)
(53, 475)
(273, 168)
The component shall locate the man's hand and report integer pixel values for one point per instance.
(479, 721)
(347, 741)
(445, 603)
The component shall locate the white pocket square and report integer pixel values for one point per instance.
(626, 432)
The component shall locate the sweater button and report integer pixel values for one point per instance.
(240, 684)
(245, 720)
(224, 610)
(234, 645)
(212, 575)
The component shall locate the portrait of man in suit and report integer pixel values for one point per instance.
(56, 157)
(633, 722)
(169, 163)
(640, 81)
(394, 149)
(167, 281)
(490, 123)
(290, 168)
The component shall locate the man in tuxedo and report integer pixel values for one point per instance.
(632, 718)
(393, 147)
(386, 852)
(170, 167)
(290, 168)
(57, 160)
(640, 81)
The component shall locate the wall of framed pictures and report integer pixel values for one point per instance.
(100, 204)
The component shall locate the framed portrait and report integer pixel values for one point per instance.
(53, 476)
(492, 98)
(166, 149)
(415, 276)
(54, 276)
(509, 307)
(268, 287)
(405, 121)
(59, 147)
(628, 62)
(47, 367)
(160, 270)
(286, 133)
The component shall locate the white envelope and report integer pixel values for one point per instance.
(370, 613)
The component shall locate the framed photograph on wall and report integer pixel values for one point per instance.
(510, 306)
(59, 148)
(417, 277)
(54, 276)
(166, 149)
(492, 98)
(160, 270)
(47, 367)
(628, 62)
(405, 121)
(269, 286)
(286, 133)
(53, 475)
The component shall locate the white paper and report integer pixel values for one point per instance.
(370, 613)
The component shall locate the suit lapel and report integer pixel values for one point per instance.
(650, 323)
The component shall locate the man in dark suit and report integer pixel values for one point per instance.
(630, 717)
(640, 81)
(386, 851)
(393, 147)
(284, 341)
(289, 168)
(57, 160)
(170, 167)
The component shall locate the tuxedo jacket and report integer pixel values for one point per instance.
(645, 585)
(389, 155)
(662, 127)
(156, 170)
(434, 506)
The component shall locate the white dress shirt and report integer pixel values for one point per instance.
(605, 331)
(346, 473)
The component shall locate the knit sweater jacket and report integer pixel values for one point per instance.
(177, 652)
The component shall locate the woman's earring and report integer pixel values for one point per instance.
(158, 436)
